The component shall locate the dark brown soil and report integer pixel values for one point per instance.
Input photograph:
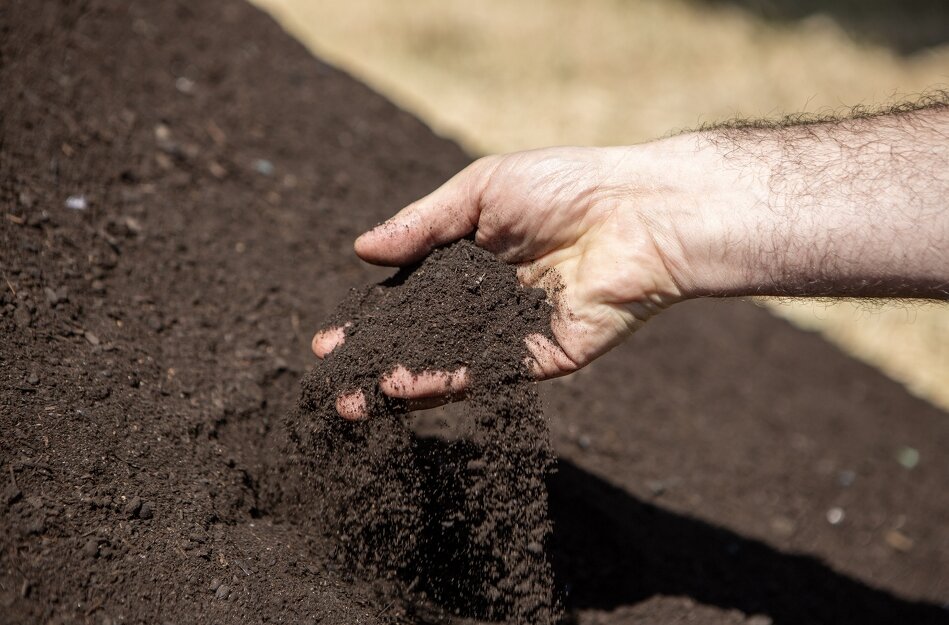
(460, 307)
(464, 521)
(154, 342)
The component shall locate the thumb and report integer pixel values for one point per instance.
(445, 215)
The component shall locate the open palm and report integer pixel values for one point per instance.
(573, 220)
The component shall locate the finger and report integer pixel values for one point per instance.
(404, 384)
(352, 406)
(327, 340)
(445, 215)
(547, 359)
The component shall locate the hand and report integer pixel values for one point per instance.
(834, 208)
(590, 214)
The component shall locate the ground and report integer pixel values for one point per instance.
(180, 184)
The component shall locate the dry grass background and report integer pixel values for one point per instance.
(499, 76)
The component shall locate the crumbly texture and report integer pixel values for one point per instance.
(463, 522)
(153, 344)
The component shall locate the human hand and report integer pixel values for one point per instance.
(834, 208)
(589, 214)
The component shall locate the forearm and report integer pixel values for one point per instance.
(855, 208)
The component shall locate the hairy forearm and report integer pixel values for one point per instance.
(856, 207)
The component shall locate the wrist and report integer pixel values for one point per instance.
(706, 215)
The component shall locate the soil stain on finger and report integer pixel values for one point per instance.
(463, 523)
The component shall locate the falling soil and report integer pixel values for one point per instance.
(464, 522)
(180, 187)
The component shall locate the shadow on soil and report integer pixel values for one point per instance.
(610, 549)
(907, 26)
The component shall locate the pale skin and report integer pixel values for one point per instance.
(856, 207)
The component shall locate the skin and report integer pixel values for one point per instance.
(851, 207)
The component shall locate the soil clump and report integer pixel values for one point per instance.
(462, 521)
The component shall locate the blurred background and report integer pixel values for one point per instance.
(498, 76)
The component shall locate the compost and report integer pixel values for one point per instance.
(180, 186)
(464, 521)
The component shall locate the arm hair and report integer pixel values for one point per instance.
(858, 203)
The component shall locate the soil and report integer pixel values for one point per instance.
(180, 184)
(464, 522)
(460, 307)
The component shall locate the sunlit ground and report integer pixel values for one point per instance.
(500, 76)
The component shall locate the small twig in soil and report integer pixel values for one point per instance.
(387, 606)
(9, 284)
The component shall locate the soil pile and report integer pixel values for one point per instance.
(464, 522)
(180, 186)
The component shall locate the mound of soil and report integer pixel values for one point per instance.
(180, 185)
(464, 522)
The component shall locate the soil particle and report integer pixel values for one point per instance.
(53, 296)
(133, 507)
(223, 592)
(464, 521)
(146, 512)
(91, 548)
